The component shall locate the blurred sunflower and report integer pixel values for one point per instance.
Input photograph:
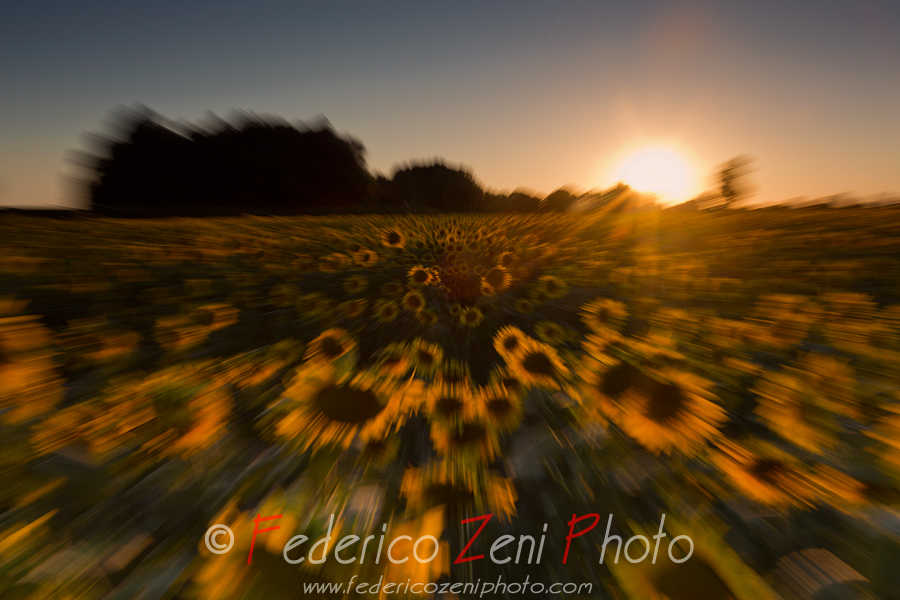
(553, 333)
(504, 377)
(29, 384)
(466, 441)
(501, 408)
(552, 286)
(539, 365)
(426, 357)
(672, 410)
(393, 360)
(497, 279)
(604, 314)
(322, 408)
(794, 411)
(353, 309)
(449, 402)
(510, 342)
(413, 301)
(355, 285)
(365, 257)
(471, 316)
(426, 317)
(419, 275)
(765, 473)
(330, 345)
(713, 571)
(386, 310)
(524, 306)
(392, 238)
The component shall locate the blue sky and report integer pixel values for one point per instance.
(534, 95)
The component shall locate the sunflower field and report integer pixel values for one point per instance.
(735, 371)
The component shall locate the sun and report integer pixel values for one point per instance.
(658, 170)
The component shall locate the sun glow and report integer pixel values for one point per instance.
(657, 170)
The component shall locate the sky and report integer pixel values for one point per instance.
(534, 95)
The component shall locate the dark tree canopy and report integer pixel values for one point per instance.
(435, 187)
(254, 165)
(734, 178)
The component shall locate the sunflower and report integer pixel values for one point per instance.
(426, 357)
(603, 380)
(497, 279)
(330, 345)
(29, 384)
(393, 360)
(314, 304)
(713, 570)
(453, 372)
(419, 275)
(471, 316)
(604, 314)
(765, 474)
(794, 411)
(353, 309)
(524, 306)
(539, 365)
(365, 257)
(501, 408)
(386, 310)
(413, 301)
(392, 238)
(673, 410)
(473, 440)
(438, 483)
(321, 408)
(355, 285)
(453, 403)
(887, 434)
(426, 317)
(507, 259)
(551, 332)
(552, 286)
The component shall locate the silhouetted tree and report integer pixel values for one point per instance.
(734, 180)
(252, 165)
(437, 187)
(558, 201)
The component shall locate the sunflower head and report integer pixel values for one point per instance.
(426, 357)
(539, 365)
(471, 317)
(392, 238)
(501, 408)
(419, 275)
(497, 279)
(413, 301)
(386, 310)
(330, 345)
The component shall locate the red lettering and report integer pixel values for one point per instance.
(460, 559)
(255, 531)
(572, 535)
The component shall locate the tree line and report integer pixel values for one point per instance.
(147, 165)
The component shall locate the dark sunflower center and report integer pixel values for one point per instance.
(414, 302)
(766, 469)
(331, 347)
(469, 434)
(447, 406)
(666, 401)
(603, 315)
(205, 318)
(694, 579)
(442, 493)
(347, 404)
(425, 358)
(499, 407)
(510, 343)
(539, 364)
(618, 379)
(510, 383)
(420, 276)
(393, 238)
(495, 278)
